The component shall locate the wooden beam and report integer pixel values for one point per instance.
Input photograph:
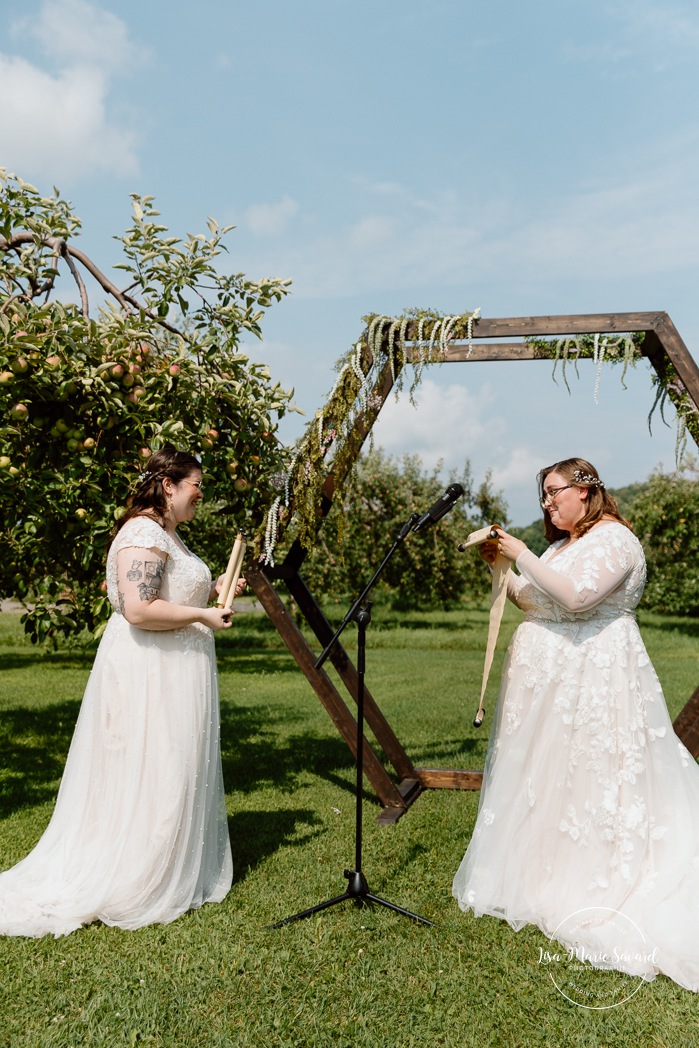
(440, 779)
(324, 688)
(410, 790)
(565, 324)
(679, 356)
(568, 324)
(489, 351)
(373, 716)
(362, 426)
(686, 725)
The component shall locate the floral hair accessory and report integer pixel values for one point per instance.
(144, 476)
(587, 478)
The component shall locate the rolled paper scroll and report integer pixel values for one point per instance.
(230, 579)
(498, 595)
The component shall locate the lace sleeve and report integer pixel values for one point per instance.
(599, 570)
(515, 584)
(144, 533)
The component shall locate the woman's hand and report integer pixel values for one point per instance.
(488, 551)
(216, 588)
(508, 545)
(216, 618)
(218, 585)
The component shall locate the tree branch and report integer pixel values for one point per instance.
(65, 253)
(65, 250)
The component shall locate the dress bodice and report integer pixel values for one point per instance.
(601, 576)
(186, 579)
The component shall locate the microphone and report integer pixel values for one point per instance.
(442, 506)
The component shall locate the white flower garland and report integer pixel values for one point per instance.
(598, 357)
(394, 330)
(469, 328)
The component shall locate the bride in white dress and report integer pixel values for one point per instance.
(589, 799)
(139, 834)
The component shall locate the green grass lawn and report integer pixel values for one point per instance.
(367, 977)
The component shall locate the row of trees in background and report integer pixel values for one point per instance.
(429, 572)
(665, 516)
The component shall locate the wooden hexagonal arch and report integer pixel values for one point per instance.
(488, 340)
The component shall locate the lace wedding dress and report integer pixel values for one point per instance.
(138, 835)
(589, 800)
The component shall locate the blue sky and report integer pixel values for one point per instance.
(524, 159)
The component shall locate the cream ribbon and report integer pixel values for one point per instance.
(230, 579)
(498, 595)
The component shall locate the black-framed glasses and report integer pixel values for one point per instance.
(552, 495)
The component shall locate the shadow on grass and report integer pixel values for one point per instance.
(445, 752)
(689, 627)
(414, 623)
(257, 834)
(257, 750)
(257, 660)
(33, 749)
(60, 660)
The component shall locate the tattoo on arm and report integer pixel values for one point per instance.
(120, 602)
(134, 573)
(150, 587)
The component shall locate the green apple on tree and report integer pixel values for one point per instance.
(85, 414)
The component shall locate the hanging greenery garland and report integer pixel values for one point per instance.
(625, 350)
(324, 457)
(326, 449)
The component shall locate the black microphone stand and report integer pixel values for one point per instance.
(357, 888)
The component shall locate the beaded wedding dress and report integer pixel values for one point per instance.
(590, 802)
(139, 834)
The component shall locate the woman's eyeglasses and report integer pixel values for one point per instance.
(552, 495)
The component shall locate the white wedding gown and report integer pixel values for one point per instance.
(589, 798)
(139, 834)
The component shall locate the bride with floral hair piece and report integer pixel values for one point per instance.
(589, 800)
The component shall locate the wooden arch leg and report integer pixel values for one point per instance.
(390, 796)
(686, 725)
(395, 798)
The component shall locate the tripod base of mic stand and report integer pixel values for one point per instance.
(358, 891)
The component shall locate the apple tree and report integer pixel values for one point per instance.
(87, 393)
(665, 516)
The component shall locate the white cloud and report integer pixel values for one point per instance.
(639, 217)
(453, 423)
(659, 34)
(56, 125)
(638, 225)
(447, 425)
(78, 33)
(395, 191)
(371, 232)
(661, 25)
(514, 475)
(511, 424)
(271, 219)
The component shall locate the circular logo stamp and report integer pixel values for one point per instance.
(590, 975)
